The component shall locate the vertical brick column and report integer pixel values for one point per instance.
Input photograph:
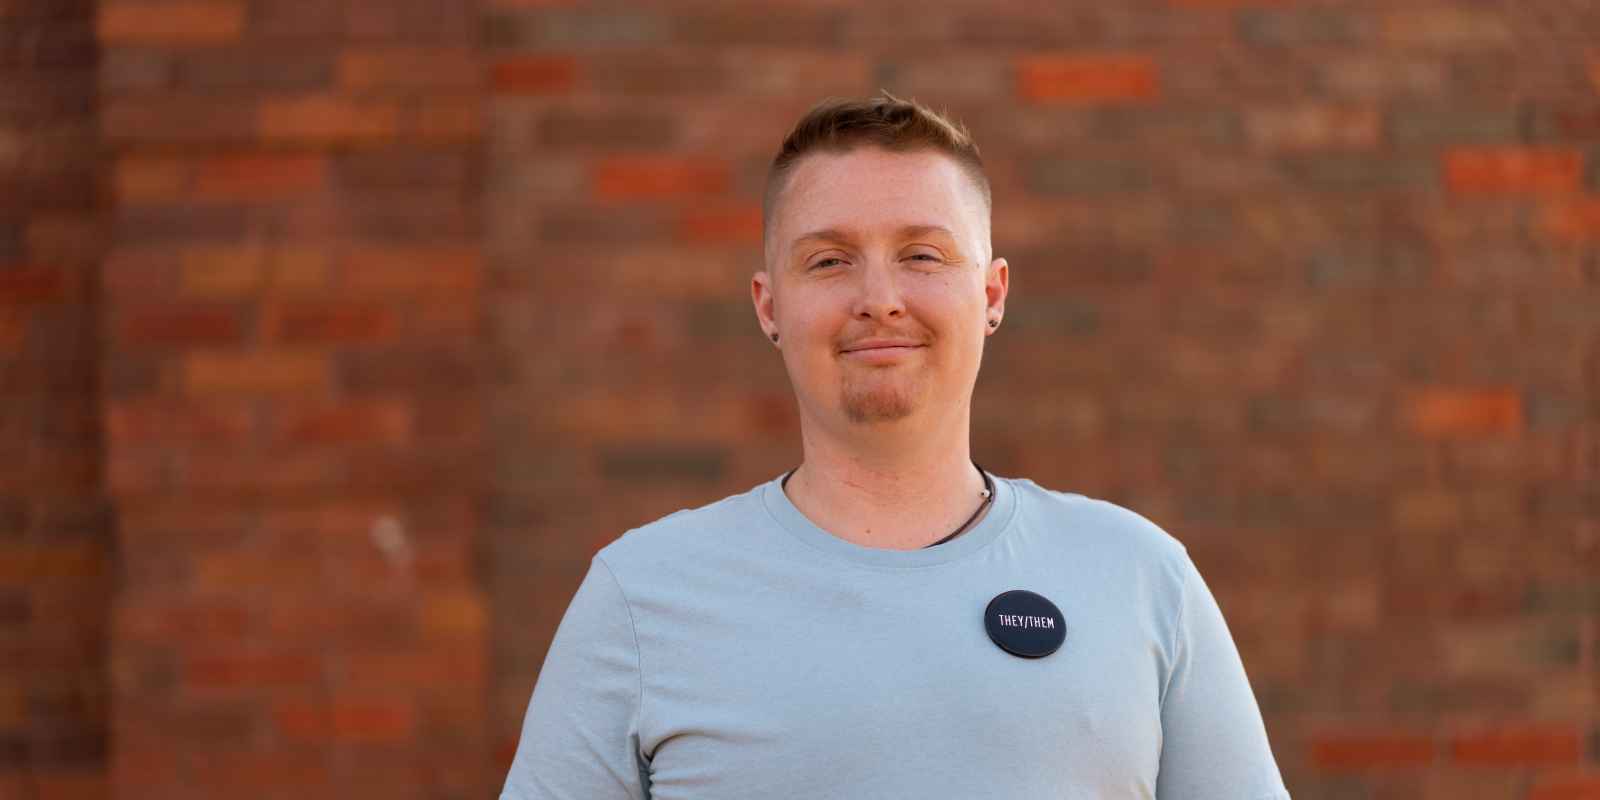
(292, 381)
(54, 531)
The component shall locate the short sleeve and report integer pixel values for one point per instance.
(580, 738)
(1214, 743)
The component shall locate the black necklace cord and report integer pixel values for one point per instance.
(988, 497)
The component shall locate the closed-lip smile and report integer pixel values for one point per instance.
(877, 344)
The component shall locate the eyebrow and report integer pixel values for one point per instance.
(839, 235)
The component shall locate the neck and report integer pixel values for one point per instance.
(897, 489)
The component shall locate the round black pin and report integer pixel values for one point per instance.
(1025, 624)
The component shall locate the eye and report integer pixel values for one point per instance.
(823, 262)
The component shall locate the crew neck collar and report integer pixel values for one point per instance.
(994, 522)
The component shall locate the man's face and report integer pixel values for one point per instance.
(878, 284)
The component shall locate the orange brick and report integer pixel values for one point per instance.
(1567, 787)
(1360, 751)
(428, 67)
(222, 271)
(141, 179)
(1512, 170)
(1445, 412)
(535, 75)
(215, 22)
(1576, 220)
(454, 613)
(28, 564)
(259, 177)
(255, 372)
(712, 226)
(641, 177)
(411, 270)
(1089, 79)
(328, 118)
(1530, 745)
(229, 573)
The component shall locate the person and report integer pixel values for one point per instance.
(888, 619)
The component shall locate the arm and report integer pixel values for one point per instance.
(1214, 744)
(580, 737)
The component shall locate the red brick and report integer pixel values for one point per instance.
(535, 75)
(1576, 220)
(352, 421)
(445, 666)
(346, 721)
(1447, 412)
(142, 179)
(259, 176)
(410, 270)
(215, 621)
(255, 372)
(448, 119)
(719, 225)
(329, 323)
(180, 325)
(1087, 79)
(1227, 4)
(152, 422)
(1363, 751)
(247, 669)
(26, 285)
(1535, 744)
(212, 22)
(648, 177)
(328, 119)
(1510, 170)
(409, 67)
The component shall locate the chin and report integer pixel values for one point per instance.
(883, 404)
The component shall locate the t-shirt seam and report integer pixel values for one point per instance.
(1005, 528)
(1177, 637)
(638, 651)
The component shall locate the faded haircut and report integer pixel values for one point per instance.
(900, 126)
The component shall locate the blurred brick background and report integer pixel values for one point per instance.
(335, 335)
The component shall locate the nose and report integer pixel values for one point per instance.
(879, 296)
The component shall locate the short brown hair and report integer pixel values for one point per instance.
(886, 121)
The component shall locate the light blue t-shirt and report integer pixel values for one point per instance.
(738, 651)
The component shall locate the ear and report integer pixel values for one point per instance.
(996, 284)
(765, 300)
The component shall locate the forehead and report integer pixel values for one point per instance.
(871, 189)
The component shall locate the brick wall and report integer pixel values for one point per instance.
(292, 401)
(395, 310)
(55, 529)
(1313, 285)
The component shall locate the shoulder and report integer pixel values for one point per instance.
(1100, 523)
(683, 533)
